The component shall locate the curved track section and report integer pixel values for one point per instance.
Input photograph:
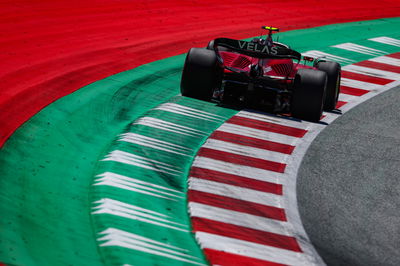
(50, 164)
(76, 143)
(241, 184)
(242, 196)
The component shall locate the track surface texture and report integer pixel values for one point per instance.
(52, 48)
(348, 181)
(50, 157)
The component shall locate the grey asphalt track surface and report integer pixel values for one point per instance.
(349, 185)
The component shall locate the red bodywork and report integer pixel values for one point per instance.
(274, 68)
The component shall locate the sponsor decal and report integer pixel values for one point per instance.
(255, 47)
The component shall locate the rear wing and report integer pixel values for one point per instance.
(256, 50)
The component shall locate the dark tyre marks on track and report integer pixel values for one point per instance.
(348, 186)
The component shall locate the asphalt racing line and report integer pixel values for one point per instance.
(348, 183)
(236, 221)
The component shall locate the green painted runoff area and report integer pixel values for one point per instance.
(155, 208)
(73, 193)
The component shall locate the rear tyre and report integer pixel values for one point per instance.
(201, 74)
(333, 72)
(308, 94)
(210, 46)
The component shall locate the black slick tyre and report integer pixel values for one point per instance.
(333, 72)
(210, 46)
(308, 94)
(201, 74)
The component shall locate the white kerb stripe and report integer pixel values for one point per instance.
(155, 144)
(372, 72)
(224, 146)
(240, 170)
(347, 98)
(111, 203)
(358, 84)
(135, 186)
(168, 126)
(274, 120)
(258, 134)
(386, 60)
(115, 237)
(193, 110)
(235, 192)
(189, 112)
(122, 209)
(319, 54)
(137, 216)
(250, 249)
(143, 162)
(133, 181)
(238, 218)
(359, 49)
(386, 40)
(117, 184)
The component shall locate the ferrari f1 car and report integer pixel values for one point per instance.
(261, 74)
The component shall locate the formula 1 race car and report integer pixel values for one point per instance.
(261, 74)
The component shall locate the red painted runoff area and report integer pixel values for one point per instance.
(50, 49)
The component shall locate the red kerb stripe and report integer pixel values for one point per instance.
(245, 233)
(267, 126)
(236, 180)
(242, 160)
(365, 78)
(253, 142)
(222, 258)
(340, 104)
(237, 205)
(381, 66)
(395, 55)
(352, 91)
